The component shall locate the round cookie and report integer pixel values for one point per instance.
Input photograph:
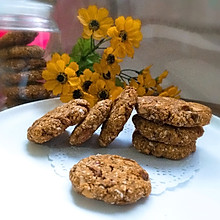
(110, 178)
(56, 121)
(173, 111)
(30, 92)
(13, 38)
(120, 113)
(18, 65)
(158, 149)
(21, 52)
(167, 134)
(26, 77)
(96, 116)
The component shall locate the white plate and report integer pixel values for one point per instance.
(30, 189)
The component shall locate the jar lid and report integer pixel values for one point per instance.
(26, 15)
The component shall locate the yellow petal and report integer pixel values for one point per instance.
(66, 89)
(120, 23)
(95, 76)
(50, 84)
(100, 84)
(49, 75)
(55, 57)
(141, 91)
(112, 32)
(74, 81)
(66, 98)
(66, 58)
(57, 89)
(74, 66)
(102, 13)
(92, 11)
(52, 67)
(87, 73)
(60, 66)
(70, 72)
(83, 17)
(116, 92)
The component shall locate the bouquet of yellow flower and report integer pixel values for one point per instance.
(87, 74)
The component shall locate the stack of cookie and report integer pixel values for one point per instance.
(168, 127)
(21, 68)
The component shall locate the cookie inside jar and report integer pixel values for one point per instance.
(28, 37)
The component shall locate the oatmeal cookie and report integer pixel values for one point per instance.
(18, 65)
(21, 78)
(173, 111)
(56, 121)
(21, 52)
(30, 92)
(158, 149)
(13, 38)
(96, 116)
(110, 178)
(120, 113)
(167, 134)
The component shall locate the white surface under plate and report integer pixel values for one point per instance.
(30, 189)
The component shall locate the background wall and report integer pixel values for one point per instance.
(182, 36)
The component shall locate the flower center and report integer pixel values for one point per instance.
(107, 75)
(86, 85)
(110, 59)
(94, 25)
(62, 78)
(123, 35)
(77, 94)
(103, 95)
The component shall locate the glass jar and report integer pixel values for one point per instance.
(28, 36)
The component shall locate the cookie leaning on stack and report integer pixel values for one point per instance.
(21, 68)
(168, 127)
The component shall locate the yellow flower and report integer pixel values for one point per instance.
(104, 90)
(125, 35)
(171, 91)
(65, 57)
(87, 78)
(145, 84)
(109, 62)
(60, 77)
(78, 93)
(95, 22)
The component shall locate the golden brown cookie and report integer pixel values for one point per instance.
(172, 111)
(56, 121)
(13, 38)
(21, 78)
(96, 116)
(21, 52)
(167, 134)
(18, 65)
(30, 92)
(158, 149)
(120, 113)
(110, 178)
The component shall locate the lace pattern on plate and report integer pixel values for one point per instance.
(164, 174)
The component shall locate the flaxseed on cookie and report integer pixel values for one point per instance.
(13, 38)
(21, 52)
(21, 78)
(18, 65)
(158, 149)
(96, 116)
(110, 178)
(120, 113)
(167, 134)
(56, 121)
(173, 111)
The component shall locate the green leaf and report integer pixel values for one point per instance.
(83, 54)
(118, 82)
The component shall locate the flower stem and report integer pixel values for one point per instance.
(131, 70)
